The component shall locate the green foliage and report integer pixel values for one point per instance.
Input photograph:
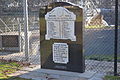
(2, 75)
(111, 78)
(100, 57)
(8, 68)
(15, 78)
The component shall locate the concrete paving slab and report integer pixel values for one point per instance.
(35, 73)
(66, 73)
(45, 74)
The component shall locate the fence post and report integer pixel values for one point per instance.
(116, 38)
(25, 5)
(19, 27)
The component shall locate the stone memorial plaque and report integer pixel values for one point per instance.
(60, 53)
(61, 37)
(60, 24)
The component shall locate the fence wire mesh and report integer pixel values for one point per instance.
(98, 32)
(99, 38)
(12, 42)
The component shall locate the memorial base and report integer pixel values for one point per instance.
(57, 74)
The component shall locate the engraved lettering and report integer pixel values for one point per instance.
(60, 24)
(60, 53)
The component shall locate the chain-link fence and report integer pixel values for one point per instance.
(99, 38)
(98, 32)
(12, 39)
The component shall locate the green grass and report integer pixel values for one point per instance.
(15, 78)
(101, 57)
(111, 78)
(8, 68)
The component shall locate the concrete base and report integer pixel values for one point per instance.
(86, 75)
(35, 73)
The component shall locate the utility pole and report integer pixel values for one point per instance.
(116, 38)
(26, 34)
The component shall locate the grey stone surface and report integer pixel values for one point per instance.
(98, 76)
(95, 78)
(100, 66)
(64, 73)
(43, 74)
(35, 73)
